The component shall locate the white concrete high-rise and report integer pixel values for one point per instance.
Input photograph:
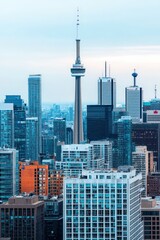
(77, 72)
(107, 90)
(103, 205)
(134, 101)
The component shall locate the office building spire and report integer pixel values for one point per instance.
(78, 71)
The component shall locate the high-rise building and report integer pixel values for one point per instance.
(34, 102)
(99, 122)
(153, 184)
(103, 204)
(69, 135)
(33, 178)
(32, 138)
(103, 149)
(134, 101)
(6, 125)
(48, 146)
(140, 162)
(123, 147)
(53, 218)
(78, 71)
(55, 182)
(151, 217)
(59, 129)
(148, 134)
(9, 173)
(74, 158)
(19, 124)
(22, 218)
(107, 90)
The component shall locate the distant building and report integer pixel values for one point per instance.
(103, 149)
(35, 103)
(153, 184)
(134, 101)
(22, 218)
(19, 124)
(153, 116)
(59, 129)
(48, 146)
(33, 178)
(55, 182)
(32, 138)
(9, 173)
(150, 209)
(140, 162)
(148, 134)
(69, 135)
(103, 205)
(99, 122)
(107, 90)
(123, 146)
(53, 218)
(6, 125)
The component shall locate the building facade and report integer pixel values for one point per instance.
(6, 125)
(9, 173)
(148, 134)
(22, 218)
(103, 205)
(151, 217)
(19, 124)
(33, 178)
(134, 101)
(32, 138)
(99, 122)
(35, 103)
(107, 91)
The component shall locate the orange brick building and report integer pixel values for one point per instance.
(33, 178)
(55, 182)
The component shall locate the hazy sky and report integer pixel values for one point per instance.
(38, 36)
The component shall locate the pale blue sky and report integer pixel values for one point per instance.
(39, 37)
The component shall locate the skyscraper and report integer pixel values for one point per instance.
(34, 102)
(59, 129)
(19, 124)
(148, 134)
(99, 122)
(102, 205)
(32, 138)
(123, 150)
(9, 173)
(107, 90)
(134, 100)
(78, 71)
(6, 125)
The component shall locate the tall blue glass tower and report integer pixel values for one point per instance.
(19, 124)
(34, 102)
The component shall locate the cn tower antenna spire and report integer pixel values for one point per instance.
(77, 25)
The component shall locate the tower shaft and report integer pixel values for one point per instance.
(78, 71)
(78, 123)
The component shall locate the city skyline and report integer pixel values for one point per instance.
(39, 38)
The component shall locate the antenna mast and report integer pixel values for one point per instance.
(77, 25)
(155, 91)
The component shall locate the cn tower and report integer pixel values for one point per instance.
(78, 71)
